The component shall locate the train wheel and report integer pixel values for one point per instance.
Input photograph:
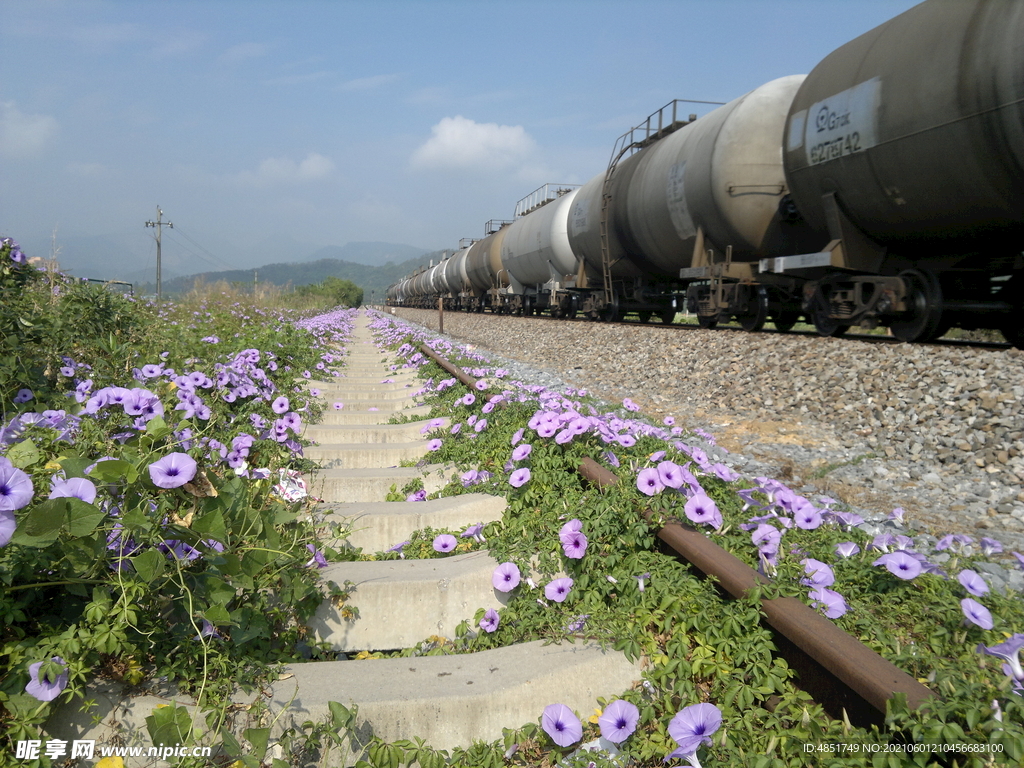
(784, 321)
(755, 313)
(823, 324)
(708, 321)
(645, 317)
(923, 319)
(668, 316)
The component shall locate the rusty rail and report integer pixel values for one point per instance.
(873, 678)
(866, 673)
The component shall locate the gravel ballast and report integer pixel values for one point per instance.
(936, 430)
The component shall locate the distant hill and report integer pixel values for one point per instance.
(373, 280)
(372, 254)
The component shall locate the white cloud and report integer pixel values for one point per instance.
(87, 169)
(367, 83)
(284, 170)
(461, 143)
(308, 77)
(244, 52)
(22, 135)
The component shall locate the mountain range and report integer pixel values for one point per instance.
(131, 257)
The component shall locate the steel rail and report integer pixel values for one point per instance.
(873, 678)
(864, 671)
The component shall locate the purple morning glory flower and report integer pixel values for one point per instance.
(474, 531)
(398, 548)
(179, 550)
(46, 687)
(574, 545)
(489, 622)
(829, 602)
(518, 436)
(76, 487)
(618, 721)
(972, 582)
(571, 527)
(434, 444)
(702, 510)
(648, 482)
(693, 726)
(519, 478)
(806, 516)
(990, 546)
(281, 405)
(506, 577)
(847, 549)
(900, 563)
(819, 574)
(8, 524)
(420, 495)
(338, 406)
(558, 589)
(317, 559)
(561, 725)
(669, 474)
(626, 441)
(766, 537)
(1019, 557)
(445, 542)
(173, 470)
(15, 488)
(976, 613)
(1008, 651)
(521, 452)
(23, 396)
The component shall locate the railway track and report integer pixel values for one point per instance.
(871, 338)
(450, 701)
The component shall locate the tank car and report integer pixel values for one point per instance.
(536, 255)
(487, 279)
(904, 150)
(650, 226)
(884, 188)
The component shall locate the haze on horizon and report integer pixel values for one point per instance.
(266, 130)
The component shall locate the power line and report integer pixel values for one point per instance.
(217, 260)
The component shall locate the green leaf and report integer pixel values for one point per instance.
(169, 725)
(149, 565)
(258, 737)
(211, 526)
(217, 614)
(156, 427)
(112, 470)
(40, 526)
(24, 454)
(82, 517)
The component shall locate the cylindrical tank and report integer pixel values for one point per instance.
(538, 239)
(584, 223)
(483, 263)
(918, 128)
(722, 173)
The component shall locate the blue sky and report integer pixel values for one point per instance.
(267, 129)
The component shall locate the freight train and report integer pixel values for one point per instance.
(885, 188)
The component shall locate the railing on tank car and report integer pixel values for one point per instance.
(542, 196)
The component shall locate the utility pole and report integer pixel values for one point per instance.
(254, 273)
(158, 224)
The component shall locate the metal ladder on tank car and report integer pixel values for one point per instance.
(654, 128)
